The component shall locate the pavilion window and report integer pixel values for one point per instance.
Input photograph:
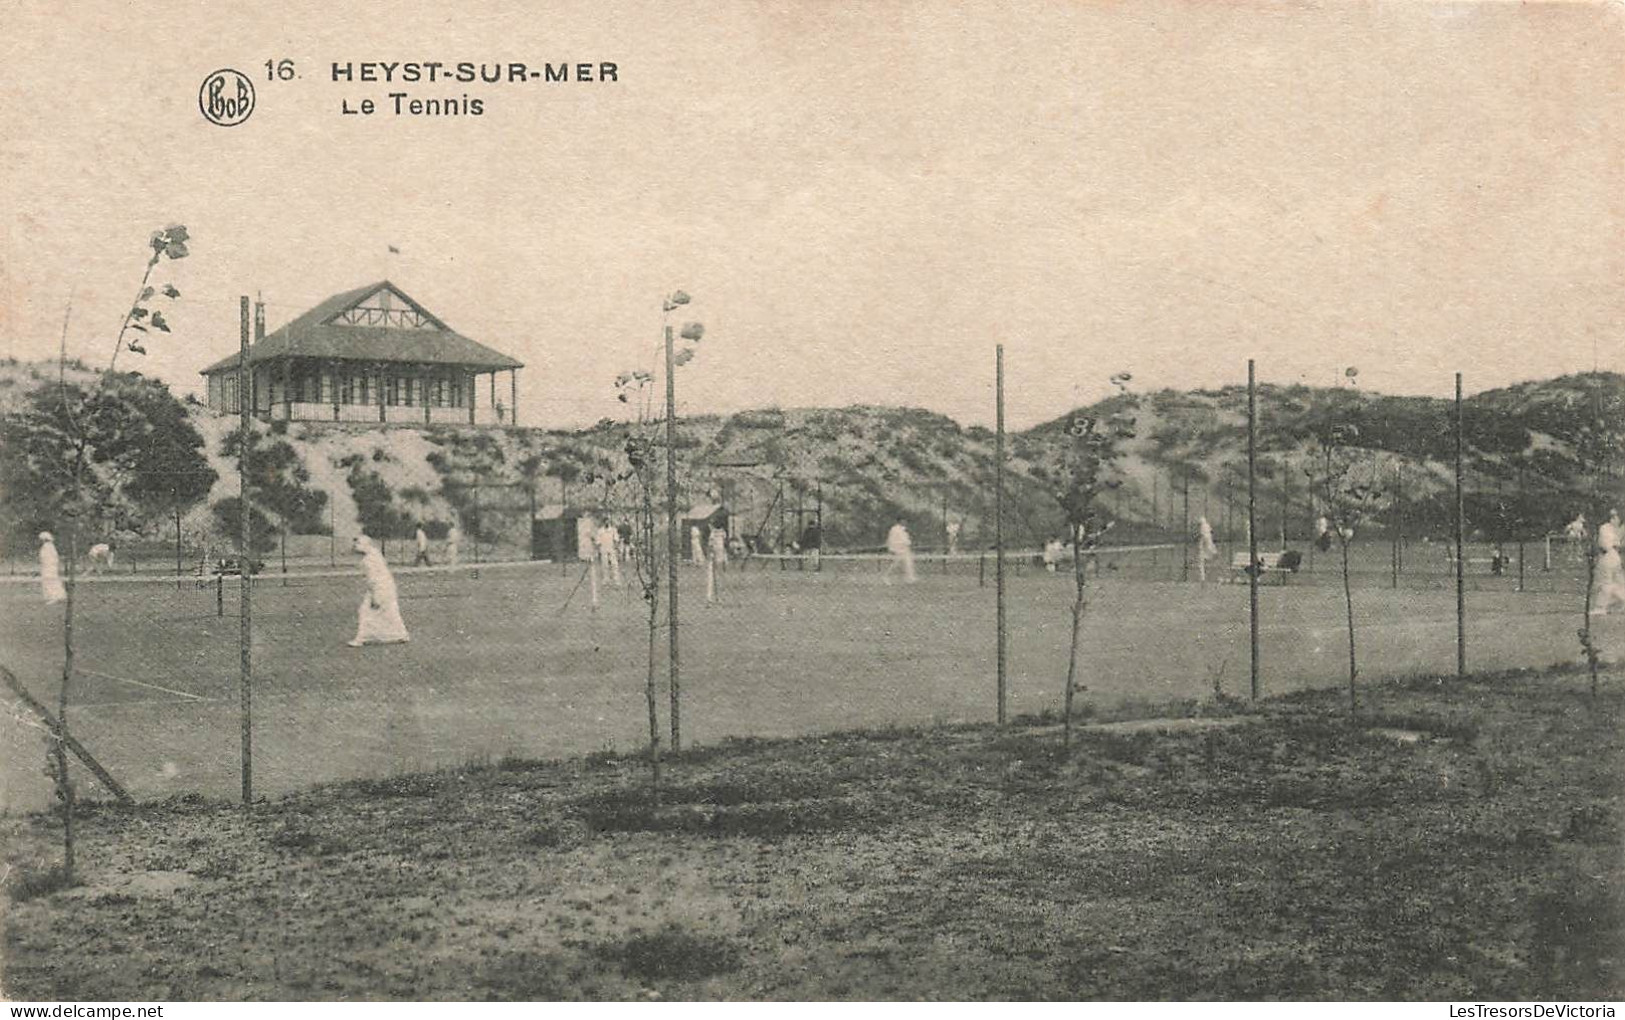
(393, 391)
(347, 389)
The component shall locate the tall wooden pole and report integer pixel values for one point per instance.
(1156, 524)
(818, 516)
(1252, 522)
(1185, 528)
(245, 562)
(1519, 518)
(1399, 520)
(1286, 495)
(998, 523)
(1461, 575)
(674, 547)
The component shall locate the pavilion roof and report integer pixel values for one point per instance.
(318, 333)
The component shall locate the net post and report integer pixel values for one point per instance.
(1185, 527)
(1461, 575)
(674, 548)
(998, 525)
(245, 566)
(1252, 524)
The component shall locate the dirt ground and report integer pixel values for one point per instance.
(1460, 840)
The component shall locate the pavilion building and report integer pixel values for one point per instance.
(368, 355)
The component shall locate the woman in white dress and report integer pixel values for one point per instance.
(379, 619)
(901, 546)
(1610, 572)
(50, 570)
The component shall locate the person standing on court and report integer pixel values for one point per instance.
(422, 558)
(1610, 571)
(378, 621)
(719, 546)
(605, 540)
(1205, 547)
(1324, 534)
(50, 570)
(901, 547)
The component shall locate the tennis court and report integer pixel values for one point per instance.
(499, 665)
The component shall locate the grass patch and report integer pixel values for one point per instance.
(522, 977)
(307, 842)
(672, 954)
(31, 884)
(720, 809)
(1430, 725)
(1296, 855)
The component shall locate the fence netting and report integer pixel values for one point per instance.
(511, 656)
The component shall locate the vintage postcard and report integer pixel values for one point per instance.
(791, 500)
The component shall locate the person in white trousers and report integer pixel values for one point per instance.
(1205, 548)
(901, 547)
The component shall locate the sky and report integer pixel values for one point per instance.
(863, 199)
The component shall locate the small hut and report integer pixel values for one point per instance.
(705, 516)
(559, 533)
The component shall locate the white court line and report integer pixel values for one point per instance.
(138, 701)
(141, 683)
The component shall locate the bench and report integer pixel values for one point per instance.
(212, 573)
(1268, 563)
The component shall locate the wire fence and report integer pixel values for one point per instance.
(536, 658)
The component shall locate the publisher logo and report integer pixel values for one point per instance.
(226, 98)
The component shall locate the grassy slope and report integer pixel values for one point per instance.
(1288, 856)
(880, 462)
